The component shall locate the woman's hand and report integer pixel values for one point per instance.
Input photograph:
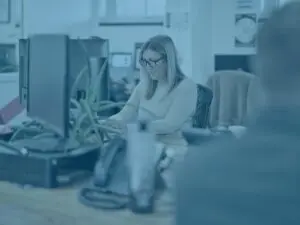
(5, 129)
(115, 124)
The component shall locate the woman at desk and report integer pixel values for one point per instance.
(164, 96)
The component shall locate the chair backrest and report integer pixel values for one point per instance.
(201, 116)
(229, 104)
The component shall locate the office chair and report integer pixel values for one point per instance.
(229, 104)
(197, 132)
(204, 99)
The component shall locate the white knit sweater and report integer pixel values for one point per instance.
(168, 112)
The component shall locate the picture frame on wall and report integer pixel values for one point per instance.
(5, 11)
(136, 55)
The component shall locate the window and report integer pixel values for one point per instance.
(132, 8)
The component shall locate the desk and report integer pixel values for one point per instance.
(33, 206)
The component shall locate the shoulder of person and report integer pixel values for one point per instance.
(207, 156)
(226, 151)
(187, 86)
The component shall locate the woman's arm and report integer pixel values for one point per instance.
(130, 110)
(182, 108)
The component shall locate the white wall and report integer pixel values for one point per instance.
(179, 31)
(10, 32)
(200, 39)
(211, 31)
(210, 28)
(43, 16)
(122, 38)
(73, 16)
(62, 15)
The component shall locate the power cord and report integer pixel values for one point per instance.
(100, 199)
(32, 126)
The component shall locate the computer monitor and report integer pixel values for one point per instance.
(90, 53)
(48, 81)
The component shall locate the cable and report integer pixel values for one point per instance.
(90, 116)
(101, 199)
(86, 108)
(36, 137)
(77, 80)
(12, 148)
(22, 128)
(91, 98)
(75, 103)
(101, 127)
(86, 54)
(94, 90)
(94, 124)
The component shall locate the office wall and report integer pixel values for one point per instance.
(71, 16)
(74, 16)
(11, 31)
(200, 39)
(122, 38)
(45, 16)
(59, 16)
(178, 28)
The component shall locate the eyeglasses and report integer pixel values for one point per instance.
(151, 63)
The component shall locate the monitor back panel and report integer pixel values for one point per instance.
(48, 76)
(80, 50)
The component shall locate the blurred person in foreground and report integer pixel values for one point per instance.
(254, 180)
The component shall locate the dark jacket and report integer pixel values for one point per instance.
(251, 181)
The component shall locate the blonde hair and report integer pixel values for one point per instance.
(165, 46)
